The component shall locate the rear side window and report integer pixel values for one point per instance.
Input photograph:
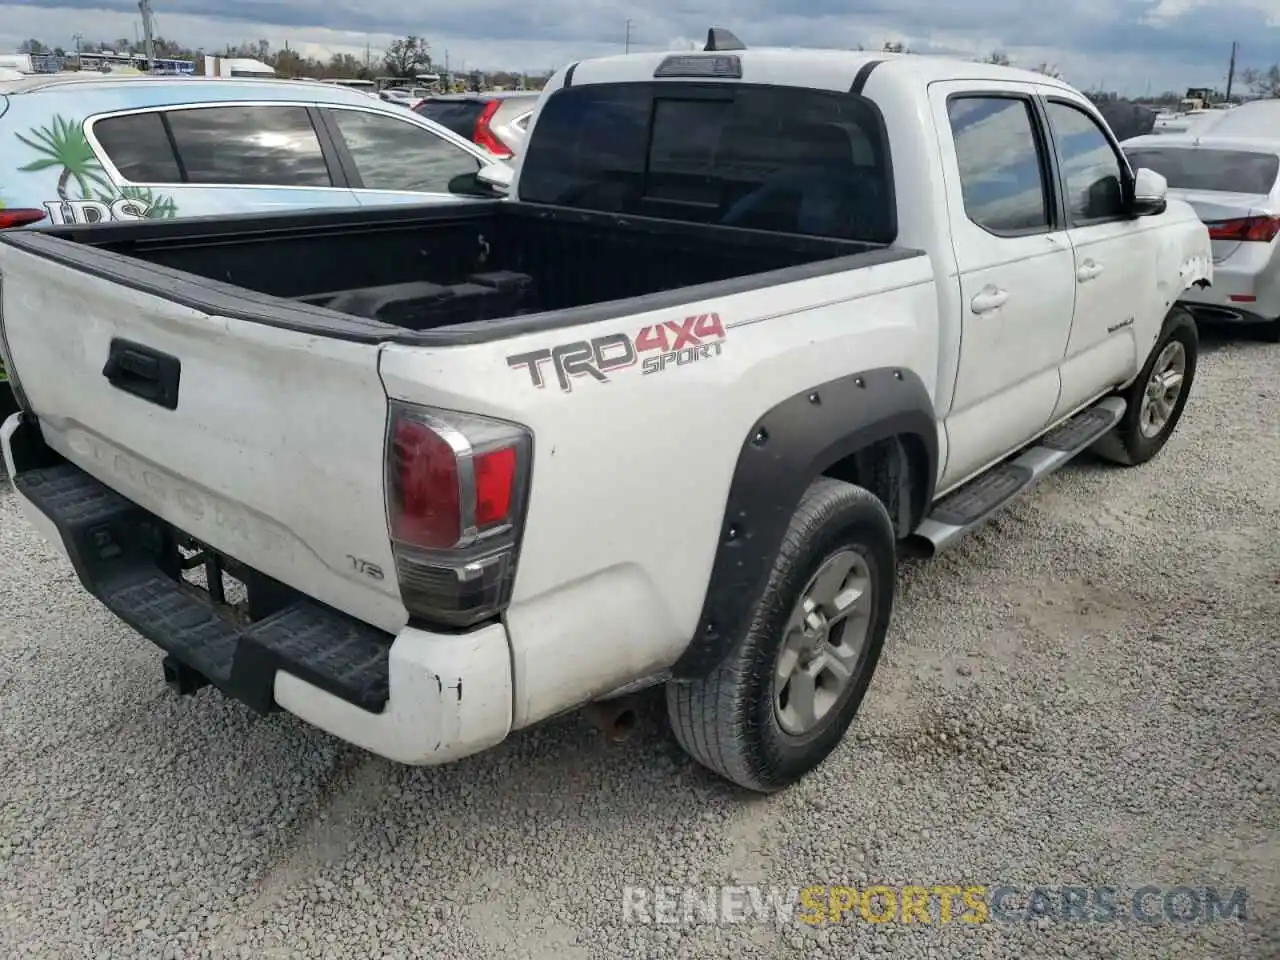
(249, 145)
(788, 160)
(1233, 171)
(460, 116)
(1001, 164)
(139, 148)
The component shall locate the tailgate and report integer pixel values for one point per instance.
(260, 441)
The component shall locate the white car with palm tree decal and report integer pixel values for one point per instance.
(93, 148)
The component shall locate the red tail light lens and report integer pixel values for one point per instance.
(495, 485)
(484, 134)
(1245, 229)
(456, 489)
(20, 217)
(425, 483)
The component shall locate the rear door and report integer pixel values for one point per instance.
(269, 447)
(1014, 266)
(392, 159)
(222, 158)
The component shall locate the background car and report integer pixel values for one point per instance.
(1234, 185)
(497, 121)
(96, 148)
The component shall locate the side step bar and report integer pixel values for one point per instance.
(973, 504)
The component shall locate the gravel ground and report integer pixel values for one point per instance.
(1084, 693)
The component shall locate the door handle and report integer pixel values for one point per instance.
(1089, 270)
(989, 298)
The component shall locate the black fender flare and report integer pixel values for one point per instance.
(786, 450)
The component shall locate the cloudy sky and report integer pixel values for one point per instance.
(1132, 45)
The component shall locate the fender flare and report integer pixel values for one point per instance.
(785, 451)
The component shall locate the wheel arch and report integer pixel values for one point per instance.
(875, 428)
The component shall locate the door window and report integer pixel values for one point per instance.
(392, 154)
(1001, 163)
(139, 148)
(250, 145)
(1092, 172)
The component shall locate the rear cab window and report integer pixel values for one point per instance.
(783, 159)
(1227, 171)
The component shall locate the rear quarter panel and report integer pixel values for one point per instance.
(46, 161)
(631, 475)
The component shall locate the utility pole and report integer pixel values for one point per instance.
(1231, 71)
(627, 48)
(148, 32)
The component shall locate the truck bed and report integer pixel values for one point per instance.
(466, 272)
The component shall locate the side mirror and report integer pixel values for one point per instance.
(496, 176)
(1149, 193)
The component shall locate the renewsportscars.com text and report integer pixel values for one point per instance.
(934, 904)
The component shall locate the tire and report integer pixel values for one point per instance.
(1268, 332)
(729, 721)
(1129, 444)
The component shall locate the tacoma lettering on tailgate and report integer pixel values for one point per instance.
(657, 348)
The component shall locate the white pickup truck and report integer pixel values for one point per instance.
(749, 324)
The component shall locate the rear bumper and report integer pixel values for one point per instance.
(1237, 295)
(417, 697)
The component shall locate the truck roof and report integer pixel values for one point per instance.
(826, 69)
(163, 89)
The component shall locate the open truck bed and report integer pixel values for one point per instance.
(436, 275)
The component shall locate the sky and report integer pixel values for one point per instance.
(1134, 46)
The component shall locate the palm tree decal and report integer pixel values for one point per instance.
(159, 207)
(62, 144)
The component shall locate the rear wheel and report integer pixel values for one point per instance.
(1269, 332)
(783, 699)
(1157, 397)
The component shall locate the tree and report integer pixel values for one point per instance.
(407, 57)
(1262, 83)
(999, 58)
(1049, 70)
(895, 46)
(33, 47)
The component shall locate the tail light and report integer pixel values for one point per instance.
(484, 133)
(1256, 229)
(19, 217)
(456, 491)
(7, 371)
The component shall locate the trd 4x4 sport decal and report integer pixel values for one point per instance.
(657, 348)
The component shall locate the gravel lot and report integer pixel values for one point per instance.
(1087, 692)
